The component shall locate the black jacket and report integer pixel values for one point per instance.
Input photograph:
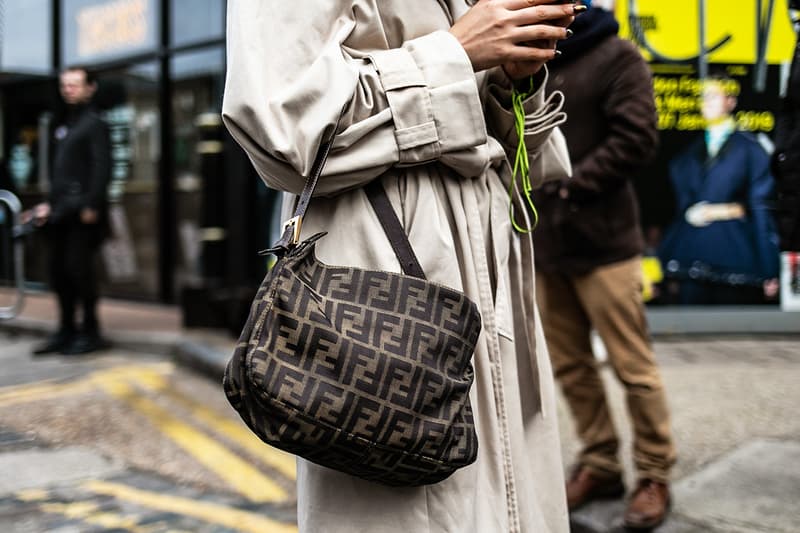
(611, 131)
(81, 166)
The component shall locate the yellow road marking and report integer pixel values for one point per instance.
(239, 474)
(208, 512)
(89, 513)
(32, 495)
(47, 391)
(43, 392)
(235, 471)
(283, 462)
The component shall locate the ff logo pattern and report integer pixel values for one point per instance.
(366, 372)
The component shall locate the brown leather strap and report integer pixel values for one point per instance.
(380, 203)
(393, 229)
(308, 190)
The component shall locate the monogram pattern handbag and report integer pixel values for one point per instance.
(366, 372)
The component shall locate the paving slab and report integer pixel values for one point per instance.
(754, 488)
(606, 517)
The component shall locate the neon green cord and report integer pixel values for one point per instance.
(521, 164)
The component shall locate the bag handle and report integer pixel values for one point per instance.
(380, 203)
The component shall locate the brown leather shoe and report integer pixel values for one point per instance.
(583, 487)
(648, 506)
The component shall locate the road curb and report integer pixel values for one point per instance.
(201, 358)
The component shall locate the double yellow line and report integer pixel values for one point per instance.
(212, 513)
(127, 384)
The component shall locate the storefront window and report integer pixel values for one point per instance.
(25, 37)
(207, 21)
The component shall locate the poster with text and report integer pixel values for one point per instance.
(719, 69)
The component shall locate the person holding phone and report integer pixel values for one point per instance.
(424, 91)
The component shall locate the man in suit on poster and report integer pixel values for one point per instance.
(722, 247)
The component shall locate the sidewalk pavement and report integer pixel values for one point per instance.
(139, 327)
(734, 402)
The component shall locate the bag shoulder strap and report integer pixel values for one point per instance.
(380, 203)
(393, 229)
(291, 228)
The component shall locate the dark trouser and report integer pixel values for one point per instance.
(609, 299)
(73, 252)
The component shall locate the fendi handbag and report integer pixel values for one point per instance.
(366, 372)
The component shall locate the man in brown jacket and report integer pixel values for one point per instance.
(588, 259)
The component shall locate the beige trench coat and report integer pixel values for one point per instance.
(437, 135)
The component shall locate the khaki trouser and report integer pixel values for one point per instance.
(608, 299)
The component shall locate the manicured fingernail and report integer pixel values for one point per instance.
(578, 9)
(569, 32)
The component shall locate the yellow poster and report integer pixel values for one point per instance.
(731, 32)
(686, 40)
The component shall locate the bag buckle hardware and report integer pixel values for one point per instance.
(295, 223)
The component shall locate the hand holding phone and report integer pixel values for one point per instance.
(518, 34)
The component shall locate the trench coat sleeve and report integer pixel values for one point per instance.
(631, 139)
(291, 73)
(546, 146)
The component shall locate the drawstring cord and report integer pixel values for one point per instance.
(521, 163)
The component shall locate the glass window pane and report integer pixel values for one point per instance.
(196, 20)
(26, 40)
(197, 64)
(196, 103)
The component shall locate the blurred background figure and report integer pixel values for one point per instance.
(786, 158)
(722, 246)
(74, 216)
(589, 270)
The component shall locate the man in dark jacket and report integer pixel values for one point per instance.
(75, 214)
(588, 259)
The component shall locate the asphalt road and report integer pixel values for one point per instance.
(126, 441)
